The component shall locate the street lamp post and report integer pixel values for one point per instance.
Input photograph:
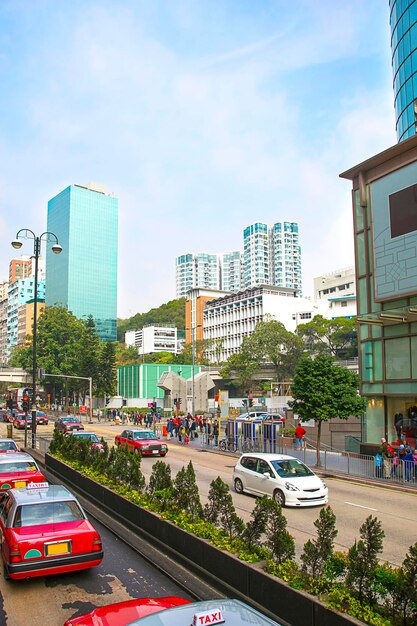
(26, 233)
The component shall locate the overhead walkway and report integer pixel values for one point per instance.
(15, 375)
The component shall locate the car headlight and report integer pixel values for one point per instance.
(145, 447)
(324, 484)
(291, 487)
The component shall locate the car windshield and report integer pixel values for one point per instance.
(18, 466)
(71, 420)
(7, 445)
(87, 436)
(144, 435)
(291, 468)
(47, 513)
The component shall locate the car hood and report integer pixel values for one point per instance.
(305, 482)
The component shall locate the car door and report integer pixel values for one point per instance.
(264, 484)
(130, 444)
(248, 473)
(122, 439)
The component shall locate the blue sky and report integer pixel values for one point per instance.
(201, 117)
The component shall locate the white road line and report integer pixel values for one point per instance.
(361, 507)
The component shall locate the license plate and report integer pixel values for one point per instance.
(155, 451)
(20, 483)
(63, 547)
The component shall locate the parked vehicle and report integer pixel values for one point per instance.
(283, 477)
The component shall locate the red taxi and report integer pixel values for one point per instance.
(44, 532)
(173, 611)
(141, 441)
(17, 469)
(19, 421)
(8, 445)
(91, 438)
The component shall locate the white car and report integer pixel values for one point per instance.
(282, 477)
(254, 415)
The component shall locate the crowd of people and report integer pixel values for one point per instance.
(399, 463)
(189, 427)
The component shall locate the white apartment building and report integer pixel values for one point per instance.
(3, 322)
(231, 271)
(196, 270)
(231, 318)
(272, 255)
(153, 338)
(335, 293)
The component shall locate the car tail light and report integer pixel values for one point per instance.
(15, 554)
(96, 543)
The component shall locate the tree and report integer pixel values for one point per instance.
(241, 367)
(337, 337)
(318, 552)
(363, 560)
(160, 479)
(256, 527)
(273, 343)
(220, 509)
(216, 495)
(404, 593)
(185, 357)
(126, 355)
(186, 492)
(172, 312)
(278, 539)
(322, 390)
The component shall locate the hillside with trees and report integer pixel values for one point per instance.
(173, 312)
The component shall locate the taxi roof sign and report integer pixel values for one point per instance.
(37, 486)
(213, 616)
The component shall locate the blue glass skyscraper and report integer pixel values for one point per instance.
(403, 20)
(84, 276)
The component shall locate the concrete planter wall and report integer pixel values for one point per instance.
(241, 579)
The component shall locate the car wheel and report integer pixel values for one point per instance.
(279, 497)
(5, 572)
(238, 485)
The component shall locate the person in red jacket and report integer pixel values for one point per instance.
(299, 437)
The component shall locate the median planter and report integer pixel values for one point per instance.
(238, 578)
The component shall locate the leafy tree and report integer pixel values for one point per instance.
(404, 592)
(241, 367)
(337, 337)
(230, 522)
(172, 312)
(273, 343)
(278, 539)
(216, 495)
(201, 346)
(186, 492)
(317, 552)
(322, 390)
(107, 376)
(126, 355)
(255, 528)
(160, 478)
(363, 560)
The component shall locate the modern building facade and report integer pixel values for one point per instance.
(138, 383)
(3, 321)
(385, 233)
(194, 311)
(83, 277)
(231, 271)
(337, 291)
(153, 338)
(20, 292)
(196, 270)
(272, 255)
(403, 21)
(227, 320)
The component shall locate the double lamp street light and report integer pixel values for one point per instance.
(26, 233)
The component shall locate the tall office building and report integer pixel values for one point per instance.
(231, 271)
(272, 255)
(403, 21)
(196, 270)
(84, 276)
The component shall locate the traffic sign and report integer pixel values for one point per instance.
(83, 409)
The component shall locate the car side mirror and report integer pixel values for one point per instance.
(267, 475)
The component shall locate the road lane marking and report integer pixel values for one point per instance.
(361, 507)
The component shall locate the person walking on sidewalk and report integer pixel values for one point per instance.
(299, 437)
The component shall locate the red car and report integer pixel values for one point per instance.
(19, 421)
(126, 612)
(41, 418)
(8, 445)
(173, 611)
(68, 424)
(44, 531)
(92, 439)
(17, 469)
(141, 441)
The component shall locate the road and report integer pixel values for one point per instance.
(122, 575)
(351, 502)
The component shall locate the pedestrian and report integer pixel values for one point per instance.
(408, 465)
(379, 463)
(299, 437)
(387, 456)
(216, 433)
